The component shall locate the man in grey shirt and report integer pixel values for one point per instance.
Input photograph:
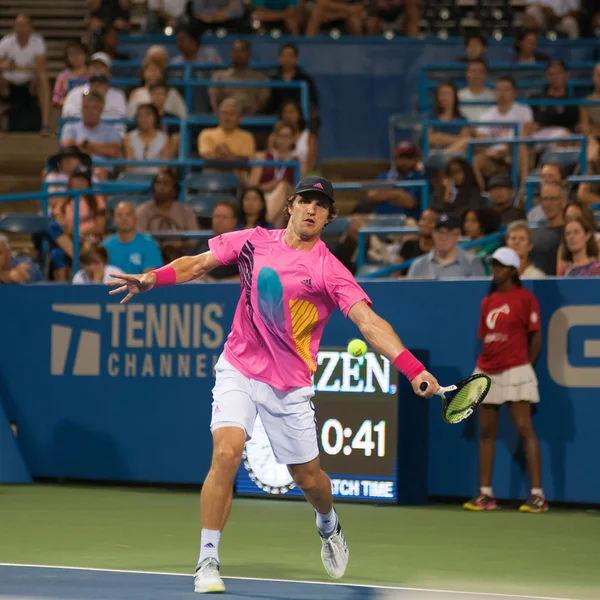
(447, 260)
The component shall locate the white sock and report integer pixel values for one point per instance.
(537, 492)
(209, 544)
(487, 491)
(327, 523)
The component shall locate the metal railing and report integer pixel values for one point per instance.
(529, 141)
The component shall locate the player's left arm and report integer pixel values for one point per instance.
(379, 334)
(535, 345)
(535, 330)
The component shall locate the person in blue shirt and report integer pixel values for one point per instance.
(16, 269)
(131, 251)
(388, 200)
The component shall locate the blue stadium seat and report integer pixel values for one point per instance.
(133, 198)
(136, 177)
(212, 182)
(565, 158)
(203, 204)
(24, 223)
(338, 226)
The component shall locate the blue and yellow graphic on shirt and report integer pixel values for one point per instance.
(304, 314)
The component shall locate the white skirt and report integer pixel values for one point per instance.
(513, 385)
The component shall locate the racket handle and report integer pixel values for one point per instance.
(424, 385)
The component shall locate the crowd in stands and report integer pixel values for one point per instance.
(469, 200)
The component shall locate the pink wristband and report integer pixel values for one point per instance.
(408, 365)
(165, 276)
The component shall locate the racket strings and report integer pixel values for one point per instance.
(467, 397)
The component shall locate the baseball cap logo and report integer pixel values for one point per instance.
(318, 185)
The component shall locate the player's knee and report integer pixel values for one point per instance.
(307, 481)
(226, 457)
(525, 430)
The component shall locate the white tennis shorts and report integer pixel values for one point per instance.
(288, 417)
(513, 385)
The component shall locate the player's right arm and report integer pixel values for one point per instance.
(182, 270)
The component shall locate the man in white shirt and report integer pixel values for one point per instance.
(115, 105)
(506, 110)
(562, 15)
(163, 13)
(23, 66)
(476, 75)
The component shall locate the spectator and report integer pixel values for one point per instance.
(282, 13)
(165, 213)
(447, 259)
(549, 173)
(161, 14)
(561, 15)
(589, 193)
(487, 162)
(554, 121)
(589, 116)
(100, 140)
(276, 182)
(109, 12)
(253, 209)
(397, 200)
(62, 166)
(228, 14)
(288, 71)
(224, 220)
(92, 208)
(159, 92)
(151, 75)
(108, 43)
(227, 142)
(577, 210)
(424, 242)
(76, 57)
(579, 249)
(191, 49)
(325, 11)
(158, 54)
(454, 138)
(114, 99)
(306, 144)
(129, 250)
(93, 259)
(396, 15)
(526, 52)
(147, 141)
(23, 71)
(251, 100)
(16, 269)
(478, 223)
(518, 238)
(502, 198)
(475, 47)
(459, 189)
(546, 239)
(476, 90)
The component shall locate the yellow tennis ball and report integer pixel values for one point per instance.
(357, 348)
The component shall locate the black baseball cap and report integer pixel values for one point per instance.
(500, 180)
(66, 152)
(315, 185)
(447, 221)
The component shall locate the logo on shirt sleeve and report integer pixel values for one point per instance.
(534, 317)
(493, 315)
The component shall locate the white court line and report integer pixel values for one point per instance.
(358, 585)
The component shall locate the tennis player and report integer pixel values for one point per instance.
(510, 328)
(291, 283)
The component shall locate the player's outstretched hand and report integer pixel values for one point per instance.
(432, 385)
(133, 284)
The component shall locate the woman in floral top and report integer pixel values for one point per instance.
(580, 251)
(76, 57)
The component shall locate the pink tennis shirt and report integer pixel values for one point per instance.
(287, 298)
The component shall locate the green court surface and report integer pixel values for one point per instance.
(439, 547)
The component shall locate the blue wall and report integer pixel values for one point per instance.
(95, 406)
(362, 82)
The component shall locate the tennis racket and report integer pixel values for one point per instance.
(463, 398)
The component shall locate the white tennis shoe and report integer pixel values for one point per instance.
(207, 579)
(334, 553)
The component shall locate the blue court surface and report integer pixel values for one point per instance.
(30, 582)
